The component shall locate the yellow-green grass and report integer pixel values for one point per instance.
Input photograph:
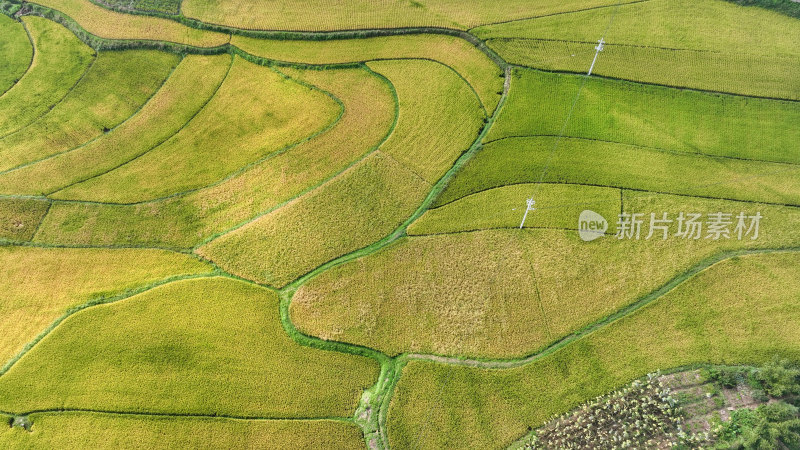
(113, 89)
(677, 24)
(109, 431)
(506, 293)
(440, 116)
(650, 116)
(185, 221)
(739, 311)
(557, 206)
(472, 64)
(211, 346)
(357, 208)
(255, 112)
(366, 14)
(739, 73)
(193, 82)
(75, 430)
(19, 217)
(113, 25)
(581, 161)
(17, 52)
(41, 284)
(59, 61)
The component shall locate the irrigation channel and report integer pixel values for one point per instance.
(371, 413)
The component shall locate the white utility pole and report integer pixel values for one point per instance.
(531, 207)
(599, 49)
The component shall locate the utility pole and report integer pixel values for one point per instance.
(599, 49)
(531, 207)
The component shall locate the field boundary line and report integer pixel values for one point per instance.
(39, 244)
(136, 112)
(202, 107)
(177, 415)
(128, 293)
(633, 189)
(572, 41)
(41, 220)
(667, 86)
(646, 147)
(522, 19)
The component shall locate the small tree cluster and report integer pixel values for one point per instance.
(643, 415)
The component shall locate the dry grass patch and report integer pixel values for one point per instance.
(472, 64)
(193, 82)
(255, 112)
(40, 284)
(740, 311)
(111, 431)
(211, 346)
(114, 88)
(357, 208)
(20, 217)
(507, 293)
(59, 61)
(113, 25)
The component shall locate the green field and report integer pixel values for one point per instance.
(685, 121)
(363, 224)
(106, 95)
(185, 221)
(426, 112)
(741, 310)
(17, 52)
(176, 354)
(164, 115)
(585, 161)
(111, 431)
(676, 47)
(59, 61)
(255, 112)
(41, 284)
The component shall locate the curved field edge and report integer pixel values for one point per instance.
(173, 167)
(564, 345)
(82, 429)
(67, 280)
(253, 192)
(176, 356)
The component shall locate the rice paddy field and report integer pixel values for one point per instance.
(426, 224)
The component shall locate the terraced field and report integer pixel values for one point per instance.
(364, 224)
